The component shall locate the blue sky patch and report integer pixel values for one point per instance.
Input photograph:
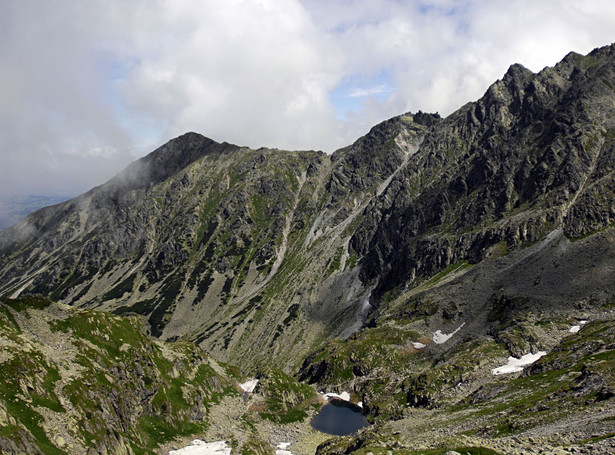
(350, 95)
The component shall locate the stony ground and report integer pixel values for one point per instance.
(423, 431)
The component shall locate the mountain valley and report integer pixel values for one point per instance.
(404, 269)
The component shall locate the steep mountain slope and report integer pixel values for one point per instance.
(408, 265)
(236, 243)
(76, 381)
(262, 255)
(532, 155)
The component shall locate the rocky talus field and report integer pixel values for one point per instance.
(455, 276)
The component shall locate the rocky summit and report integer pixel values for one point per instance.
(456, 276)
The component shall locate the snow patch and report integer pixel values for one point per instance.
(249, 386)
(439, 337)
(281, 449)
(343, 396)
(515, 365)
(360, 404)
(418, 345)
(199, 447)
(576, 328)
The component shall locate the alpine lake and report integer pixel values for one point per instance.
(339, 418)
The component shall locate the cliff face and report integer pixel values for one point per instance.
(264, 254)
(531, 155)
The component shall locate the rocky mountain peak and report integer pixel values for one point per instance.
(207, 239)
(521, 156)
(168, 160)
(517, 74)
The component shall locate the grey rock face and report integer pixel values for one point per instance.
(534, 153)
(249, 251)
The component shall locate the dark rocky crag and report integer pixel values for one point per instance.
(530, 156)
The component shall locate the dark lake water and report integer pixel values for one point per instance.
(339, 418)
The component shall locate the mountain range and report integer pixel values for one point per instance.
(404, 269)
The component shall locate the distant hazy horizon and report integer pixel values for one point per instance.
(16, 208)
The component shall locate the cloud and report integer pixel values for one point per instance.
(443, 54)
(371, 91)
(250, 72)
(89, 86)
(54, 109)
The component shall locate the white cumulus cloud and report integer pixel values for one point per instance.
(89, 86)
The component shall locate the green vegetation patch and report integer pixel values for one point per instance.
(170, 292)
(7, 322)
(456, 267)
(156, 430)
(27, 381)
(286, 400)
(107, 331)
(335, 263)
(292, 314)
(379, 450)
(256, 446)
(125, 286)
(141, 307)
(83, 292)
(75, 279)
(37, 302)
(461, 450)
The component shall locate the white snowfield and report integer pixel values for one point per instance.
(439, 337)
(249, 386)
(418, 345)
(515, 365)
(576, 328)
(343, 396)
(199, 447)
(281, 449)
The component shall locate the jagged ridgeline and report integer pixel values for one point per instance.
(265, 254)
(243, 251)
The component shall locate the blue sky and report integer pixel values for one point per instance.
(90, 86)
(350, 96)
